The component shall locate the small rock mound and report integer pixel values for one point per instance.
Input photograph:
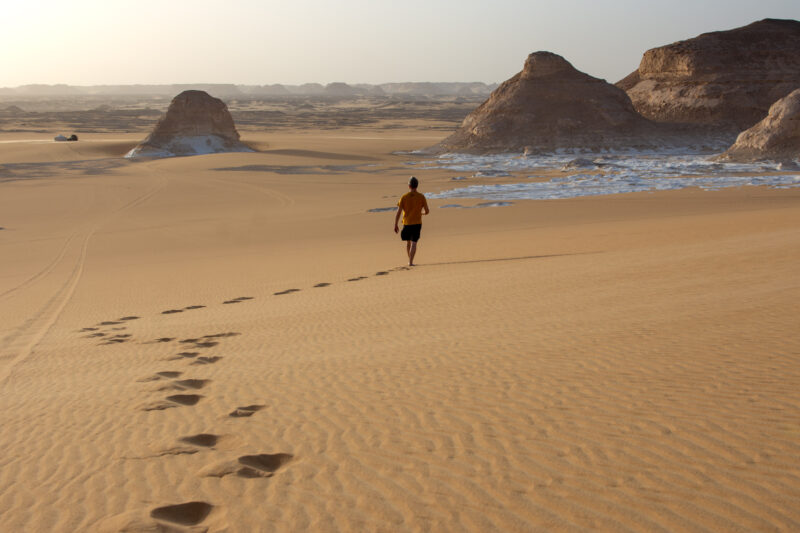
(548, 106)
(195, 123)
(727, 79)
(339, 89)
(777, 137)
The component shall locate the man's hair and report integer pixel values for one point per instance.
(413, 182)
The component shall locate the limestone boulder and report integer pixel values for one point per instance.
(776, 137)
(195, 123)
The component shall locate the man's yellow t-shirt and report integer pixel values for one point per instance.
(412, 203)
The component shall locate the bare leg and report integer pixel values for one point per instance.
(408, 249)
(412, 251)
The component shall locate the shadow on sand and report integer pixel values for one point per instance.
(297, 169)
(319, 155)
(498, 259)
(89, 167)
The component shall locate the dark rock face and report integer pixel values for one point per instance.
(547, 106)
(776, 137)
(726, 78)
(195, 123)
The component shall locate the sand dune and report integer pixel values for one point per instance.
(232, 343)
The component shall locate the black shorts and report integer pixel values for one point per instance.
(411, 233)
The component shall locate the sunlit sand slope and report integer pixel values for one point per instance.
(231, 343)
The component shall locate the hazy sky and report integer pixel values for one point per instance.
(88, 42)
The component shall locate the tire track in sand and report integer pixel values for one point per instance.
(43, 272)
(20, 344)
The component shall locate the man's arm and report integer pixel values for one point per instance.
(397, 219)
(426, 211)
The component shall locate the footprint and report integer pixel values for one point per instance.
(247, 410)
(129, 318)
(249, 466)
(205, 344)
(221, 335)
(206, 360)
(323, 284)
(185, 399)
(164, 339)
(189, 354)
(199, 343)
(116, 339)
(184, 384)
(193, 383)
(94, 335)
(359, 278)
(185, 514)
(287, 291)
(109, 323)
(113, 340)
(263, 464)
(238, 300)
(158, 406)
(156, 377)
(88, 329)
(169, 374)
(207, 440)
(381, 273)
(177, 450)
(171, 311)
(195, 307)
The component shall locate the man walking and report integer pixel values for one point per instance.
(413, 205)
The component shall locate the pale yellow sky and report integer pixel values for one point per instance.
(87, 42)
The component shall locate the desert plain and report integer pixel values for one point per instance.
(232, 342)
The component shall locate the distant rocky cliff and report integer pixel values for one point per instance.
(336, 90)
(550, 105)
(727, 78)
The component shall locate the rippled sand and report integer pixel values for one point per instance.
(232, 343)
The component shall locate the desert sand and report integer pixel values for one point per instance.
(231, 342)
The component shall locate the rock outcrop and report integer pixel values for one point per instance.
(777, 137)
(548, 106)
(195, 123)
(727, 79)
(339, 89)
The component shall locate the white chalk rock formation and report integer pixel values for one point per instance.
(195, 123)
